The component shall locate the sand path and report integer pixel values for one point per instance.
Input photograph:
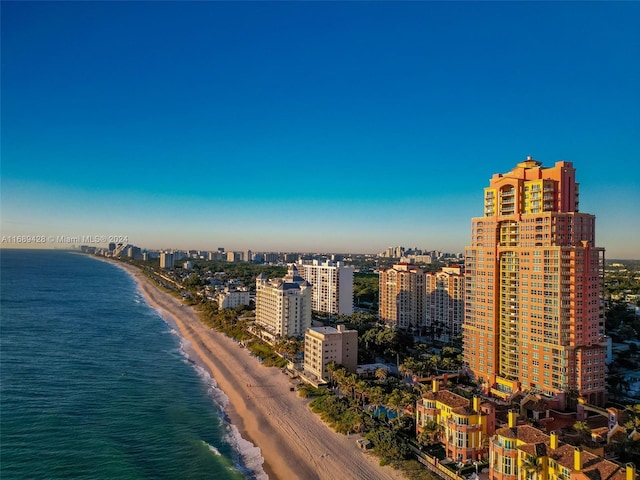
(294, 442)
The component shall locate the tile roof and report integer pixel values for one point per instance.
(524, 433)
(450, 399)
(538, 444)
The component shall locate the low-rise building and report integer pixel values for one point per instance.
(327, 344)
(233, 297)
(461, 424)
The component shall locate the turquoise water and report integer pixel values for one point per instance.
(94, 384)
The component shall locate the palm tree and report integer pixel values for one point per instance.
(339, 375)
(381, 374)
(394, 401)
(376, 395)
(350, 381)
(331, 368)
(532, 467)
(430, 433)
(362, 388)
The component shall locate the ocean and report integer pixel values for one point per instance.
(94, 384)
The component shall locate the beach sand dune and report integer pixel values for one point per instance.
(294, 442)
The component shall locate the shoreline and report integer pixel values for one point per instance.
(293, 441)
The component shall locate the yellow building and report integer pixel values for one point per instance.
(459, 423)
(522, 452)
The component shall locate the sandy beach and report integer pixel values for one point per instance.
(294, 442)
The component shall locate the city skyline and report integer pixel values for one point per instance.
(344, 127)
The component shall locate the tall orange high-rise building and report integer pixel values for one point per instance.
(534, 319)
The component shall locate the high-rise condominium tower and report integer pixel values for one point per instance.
(445, 303)
(402, 292)
(332, 285)
(534, 280)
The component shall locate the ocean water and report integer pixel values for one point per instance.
(96, 385)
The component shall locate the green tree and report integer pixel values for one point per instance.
(532, 467)
(387, 445)
(430, 433)
(583, 429)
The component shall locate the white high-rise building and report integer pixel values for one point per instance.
(332, 285)
(283, 306)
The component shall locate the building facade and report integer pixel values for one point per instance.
(327, 344)
(166, 260)
(233, 297)
(522, 452)
(332, 285)
(460, 424)
(402, 296)
(445, 303)
(534, 282)
(283, 306)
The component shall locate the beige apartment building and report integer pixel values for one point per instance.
(445, 302)
(327, 344)
(402, 296)
(283, 305)
(534, 315)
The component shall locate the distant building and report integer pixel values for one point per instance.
(445, 302)
(187, 265)
(402, 296)
(427, 259)
(327, 344)
(393, 252)
(166, 260)
(270, 257)
(332, 285)
(283, 306)
(232, 298)
(290, 257)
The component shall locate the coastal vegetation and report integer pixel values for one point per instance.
(365, 290)
(380, 408)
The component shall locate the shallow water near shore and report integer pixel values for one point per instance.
(95, 384)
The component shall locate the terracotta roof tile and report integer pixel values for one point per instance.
(450, 399)
(524, 433)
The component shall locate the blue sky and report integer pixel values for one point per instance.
(311, 126)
